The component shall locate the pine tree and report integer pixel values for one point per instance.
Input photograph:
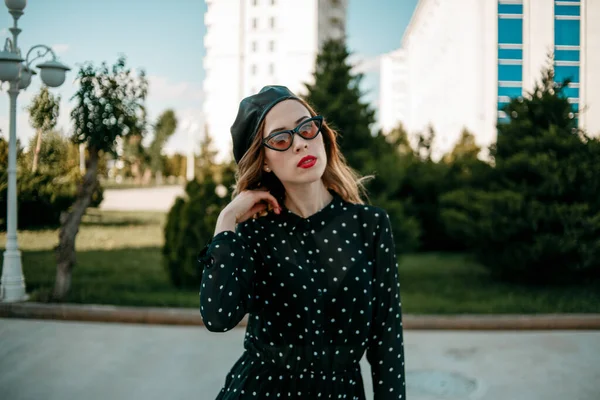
(336, 95)
(541, 220)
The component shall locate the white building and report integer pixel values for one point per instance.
(253, 43)
(466, 58)
(393, 90)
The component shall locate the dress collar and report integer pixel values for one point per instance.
(318, 219)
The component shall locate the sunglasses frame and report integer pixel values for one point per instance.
(293, 132)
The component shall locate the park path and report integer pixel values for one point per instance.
(55, 360)
(141, 199)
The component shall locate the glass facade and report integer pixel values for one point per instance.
(510, 53)
(567, 51)
(567, 42)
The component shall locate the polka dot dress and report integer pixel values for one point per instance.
(319, 291)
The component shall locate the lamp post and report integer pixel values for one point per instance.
(18, 72)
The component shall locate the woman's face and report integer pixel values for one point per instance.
(306, 159)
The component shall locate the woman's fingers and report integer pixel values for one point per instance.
(250, 213)
(263, 195)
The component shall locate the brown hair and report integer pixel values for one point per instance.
(338, 176)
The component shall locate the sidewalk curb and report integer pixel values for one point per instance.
(191, 317)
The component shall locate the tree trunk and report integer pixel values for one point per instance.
(36, 154)
(147, 177)
(135, 171)
(159, 178)
(70, 221)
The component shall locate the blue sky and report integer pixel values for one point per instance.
(165, 39)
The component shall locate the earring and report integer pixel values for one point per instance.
(268, 169)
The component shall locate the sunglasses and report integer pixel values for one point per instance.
(281, 141)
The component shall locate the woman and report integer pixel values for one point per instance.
(313, 266)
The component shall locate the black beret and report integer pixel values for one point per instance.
(250, 114)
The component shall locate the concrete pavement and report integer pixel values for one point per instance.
(88, 360)
(141, 199)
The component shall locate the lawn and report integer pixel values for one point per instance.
(119, 262)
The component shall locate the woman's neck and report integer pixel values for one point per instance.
(307, 200)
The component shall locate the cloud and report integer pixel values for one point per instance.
(165, 90)
(365, 64)
(60, 48)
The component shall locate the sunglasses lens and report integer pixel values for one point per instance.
(310, 129)
(281, 141)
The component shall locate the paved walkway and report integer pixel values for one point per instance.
(141, 199)
(77, 360)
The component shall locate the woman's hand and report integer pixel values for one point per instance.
(251, 204)
(248, 204)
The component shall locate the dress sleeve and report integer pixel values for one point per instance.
(226, 292)
(386, 346)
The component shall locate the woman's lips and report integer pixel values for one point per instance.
(307, 162)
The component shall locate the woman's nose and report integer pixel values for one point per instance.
(300, 143)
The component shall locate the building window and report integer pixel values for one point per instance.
(566, 55)
(562, 72)
(508, 72)
(254, 23)
(510, 9)
(253, 69)
(566, 32)
(568, 10)
(571, 92)
(254, 46)
(272, 22)
(575, 107)
(272, 45)
(510, 54)
(502, 104)
(272, 2)
(271, 69)
(510, 30)
(509, 91)
(254, 2)
(567, 39)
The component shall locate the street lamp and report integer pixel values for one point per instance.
(18, 72)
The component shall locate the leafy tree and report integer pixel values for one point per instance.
(109, 105)
(135, 156)
(54, 150)
(164, 128)
(175, 165)
(43, 115)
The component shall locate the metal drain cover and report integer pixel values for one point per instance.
(439, 383)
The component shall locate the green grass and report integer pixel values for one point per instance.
(441, 283)
(119, 262)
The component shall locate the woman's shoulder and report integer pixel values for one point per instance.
(368, 211)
